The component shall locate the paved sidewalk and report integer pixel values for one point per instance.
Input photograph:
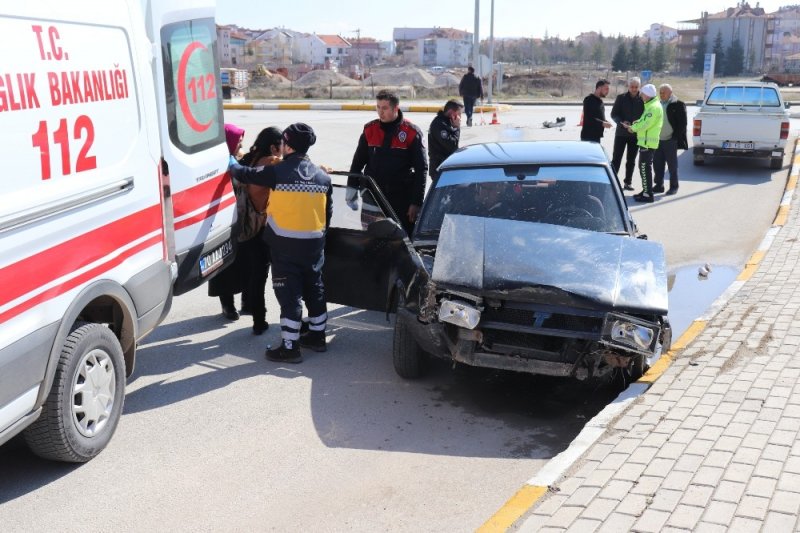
(714, 444)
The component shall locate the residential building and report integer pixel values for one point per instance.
(273, 48)
(657, 32)
(751, 26)
(447, 47)
(329, 50)
(786, 39)
(230, 46)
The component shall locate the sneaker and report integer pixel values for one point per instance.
(671, 191)
(284, 354)
(628, 187)
(642, 197)
(314, 340)
(229, 312)
(260, 327)
(658, 188)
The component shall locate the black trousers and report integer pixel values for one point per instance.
(469, 106)
(646, 169)
(255, 254)
(297, 278)
(666, 155)
(621, 144)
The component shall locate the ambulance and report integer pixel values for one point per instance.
(114, 197)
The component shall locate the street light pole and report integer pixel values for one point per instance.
(476, 42)
(491, 52)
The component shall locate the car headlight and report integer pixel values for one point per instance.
(635, 335)
(459, 314)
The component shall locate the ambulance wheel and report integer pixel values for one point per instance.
(407, 356)
(85, 402)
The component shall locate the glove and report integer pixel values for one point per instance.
(351, 198)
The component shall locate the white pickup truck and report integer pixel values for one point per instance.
(742, 119)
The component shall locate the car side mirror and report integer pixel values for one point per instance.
(643, 237)
(385, 228)
(698, 103)
(787, 105)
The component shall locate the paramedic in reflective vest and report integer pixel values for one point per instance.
(392, 152)
(298, 214)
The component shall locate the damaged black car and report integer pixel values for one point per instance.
(524, 258)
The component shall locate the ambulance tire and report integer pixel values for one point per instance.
(85, 402)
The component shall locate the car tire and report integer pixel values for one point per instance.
(407, 356)
(85, 402)
(699, 160)
(637, 369)
(776, 163)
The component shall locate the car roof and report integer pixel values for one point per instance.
(527, 153)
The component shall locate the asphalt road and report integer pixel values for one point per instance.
(213, 437)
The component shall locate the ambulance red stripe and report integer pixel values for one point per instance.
(62, 259)
(199, 196)
(70, 284)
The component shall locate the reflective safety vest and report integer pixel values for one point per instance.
(648, 127)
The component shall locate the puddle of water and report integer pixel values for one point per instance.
(690, 294)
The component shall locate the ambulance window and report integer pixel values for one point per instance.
(191, 79)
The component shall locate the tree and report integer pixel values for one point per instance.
(647, 56)
(734, 63)
(719, 61)
(620, 59)
(580, 53)
(660, 55)
(598, 53)
(635, 55)
(699, 56)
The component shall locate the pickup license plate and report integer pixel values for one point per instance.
(212, 260)
(737, 146)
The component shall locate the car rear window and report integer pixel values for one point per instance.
(743, 96)
(575, 196)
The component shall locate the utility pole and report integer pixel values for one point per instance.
(476, 42)
(491, 52)
(357, 31)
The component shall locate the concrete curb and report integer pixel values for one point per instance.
(538, 486)
(274, 106)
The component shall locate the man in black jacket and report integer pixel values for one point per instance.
(470, 89)
(392, 152)
(443, 136)
(628, 107)
(672, 139)
(594, 113)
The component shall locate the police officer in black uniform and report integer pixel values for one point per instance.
(298, 214)
(443, 136)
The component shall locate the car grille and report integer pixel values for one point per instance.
(540, 319)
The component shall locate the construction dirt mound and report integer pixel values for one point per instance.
(447, 80)
(324, 78)
(402, 76)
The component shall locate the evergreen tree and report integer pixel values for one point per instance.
(734, 62)
(699, 56)
(660, 55)
(647, 56)
(719, 61)
(620, 60)
(598, 53)
(635, 55)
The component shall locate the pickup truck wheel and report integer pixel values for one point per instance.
(407, 356)
(776, 163)
(699, 160)
(85, 403)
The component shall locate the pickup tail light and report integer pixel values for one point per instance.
(784, 130)
(698, 126)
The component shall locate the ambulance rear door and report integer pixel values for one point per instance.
(193, 145)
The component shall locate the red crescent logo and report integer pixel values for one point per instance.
(191, 120)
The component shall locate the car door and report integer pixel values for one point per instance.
(366, 249)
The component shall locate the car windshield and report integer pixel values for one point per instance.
(575, 196)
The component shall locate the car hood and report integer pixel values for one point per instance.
(520, 259)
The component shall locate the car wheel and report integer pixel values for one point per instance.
(637, 368)
(699, 160)
(407, 356)
(85, 403)
(776, 163)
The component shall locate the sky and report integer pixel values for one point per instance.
(512, 18)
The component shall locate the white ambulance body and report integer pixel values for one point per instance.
(114, 197)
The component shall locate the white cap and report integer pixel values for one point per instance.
(649, 90)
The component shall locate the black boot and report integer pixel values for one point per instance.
(314, 340)
(228, 309)
(287, 352)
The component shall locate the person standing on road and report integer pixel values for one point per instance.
(628, 107)
(470, 89)
(392, 152)
(594, 113)
(647, 130)
(443, 136)
(672, 139)
(298, 214)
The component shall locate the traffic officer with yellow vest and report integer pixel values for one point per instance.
(647, 130)
(298, 214)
